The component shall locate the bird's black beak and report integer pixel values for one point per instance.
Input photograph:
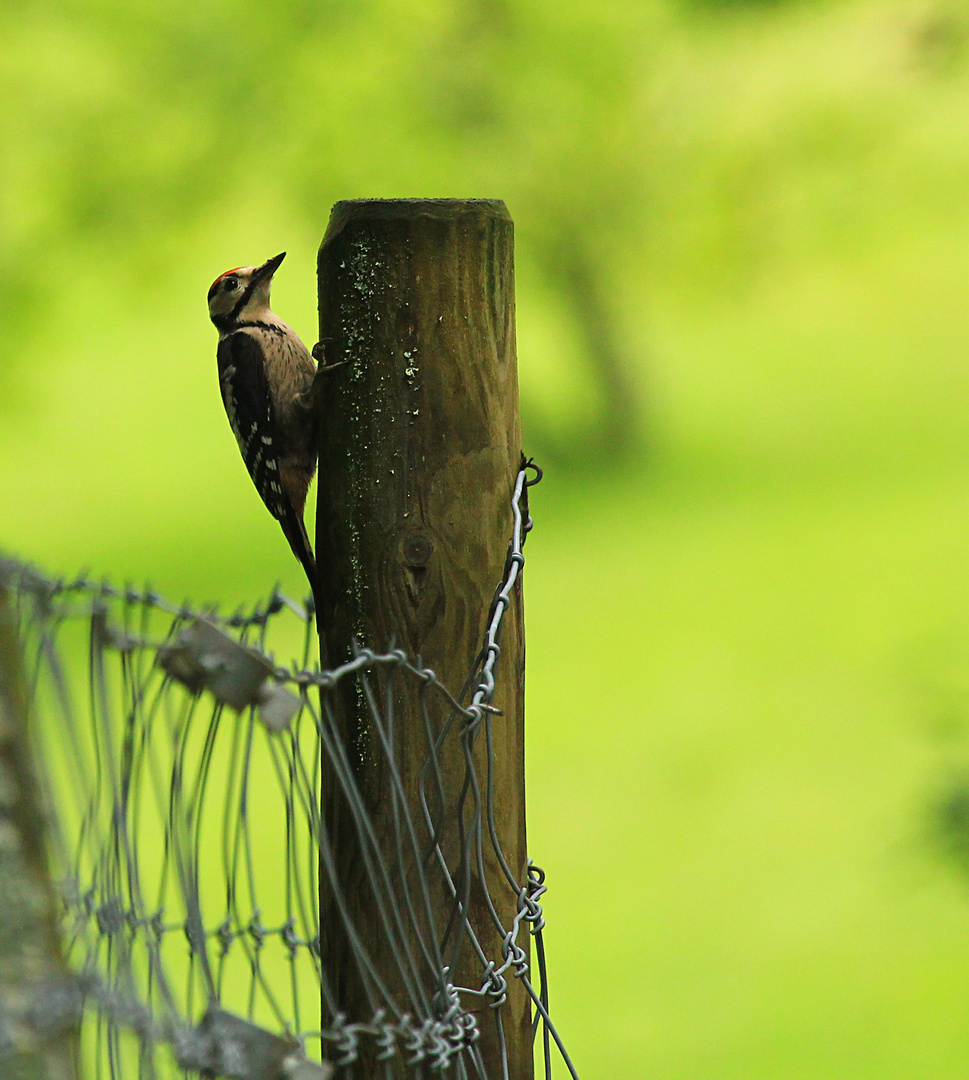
(269, 267)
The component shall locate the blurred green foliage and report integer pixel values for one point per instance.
(743, 304)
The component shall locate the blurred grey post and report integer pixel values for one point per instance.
(39, 1001)
(420, 447)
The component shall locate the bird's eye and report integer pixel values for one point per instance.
(230, 284)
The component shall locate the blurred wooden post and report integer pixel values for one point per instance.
(35, 1042)
(420, 447)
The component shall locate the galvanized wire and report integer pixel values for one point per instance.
(181, 771)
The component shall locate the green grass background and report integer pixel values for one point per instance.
(748, 640)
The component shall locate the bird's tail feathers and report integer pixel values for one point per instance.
(295, 532)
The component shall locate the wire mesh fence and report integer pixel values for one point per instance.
(181, 767)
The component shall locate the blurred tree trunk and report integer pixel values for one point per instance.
(615, 429)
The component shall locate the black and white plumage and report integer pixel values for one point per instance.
(267, 375)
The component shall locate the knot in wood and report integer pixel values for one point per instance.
(417, 550)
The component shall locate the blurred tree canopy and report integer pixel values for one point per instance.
(630, 155)
(134, 126)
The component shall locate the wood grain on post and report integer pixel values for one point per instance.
(420, 447)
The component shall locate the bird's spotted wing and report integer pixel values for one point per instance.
(249, 406)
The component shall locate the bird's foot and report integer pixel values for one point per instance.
(319, 355)
(319, 350)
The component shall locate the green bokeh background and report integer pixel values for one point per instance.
(743, 306)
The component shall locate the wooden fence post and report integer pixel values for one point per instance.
(37, 1043)
(420, 447)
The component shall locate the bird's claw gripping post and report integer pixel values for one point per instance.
(319, 355)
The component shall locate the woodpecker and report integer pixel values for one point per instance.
(267, 377)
